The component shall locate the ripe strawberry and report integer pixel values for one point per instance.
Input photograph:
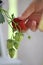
(13, 25)
(23, 26)
(20, 24)
(17, 20)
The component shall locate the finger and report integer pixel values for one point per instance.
(30, 9)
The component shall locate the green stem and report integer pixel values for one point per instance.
(5, 12)
(16, 26)
(10, 25)
(7, 15)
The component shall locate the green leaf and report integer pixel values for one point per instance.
(2, 20)
(12, 52)
(12, 16)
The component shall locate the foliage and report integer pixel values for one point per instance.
(17, 35)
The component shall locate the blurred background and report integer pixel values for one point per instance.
(30, 51)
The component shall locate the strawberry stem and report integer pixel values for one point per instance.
(5, 12)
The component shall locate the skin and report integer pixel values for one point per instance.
(35, 6)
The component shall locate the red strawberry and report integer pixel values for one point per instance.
(17, 20)
(23, 26)
(13, 25)
(20, 24)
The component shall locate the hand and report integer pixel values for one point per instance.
(31, 16)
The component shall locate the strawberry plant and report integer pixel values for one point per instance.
(18, 27)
